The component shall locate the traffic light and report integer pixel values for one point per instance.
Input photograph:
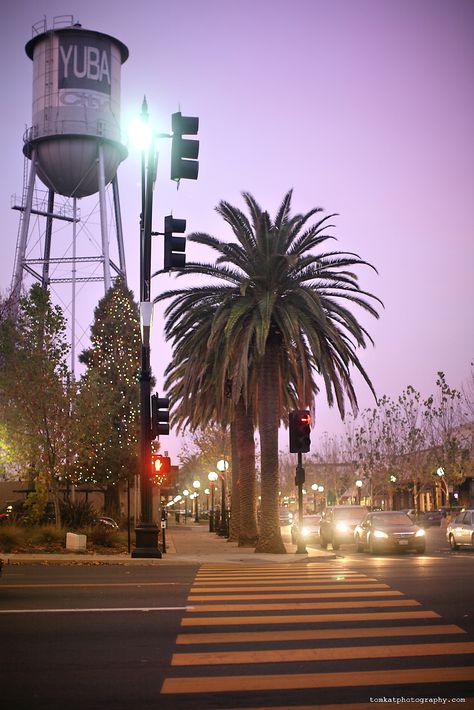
(300, 431)
(184, 152)
(160, 415)
(160, 469)
(174, 244)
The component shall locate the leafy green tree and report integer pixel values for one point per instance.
(284, 312)
(107, 407)
(36, 395)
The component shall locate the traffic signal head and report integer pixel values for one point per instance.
(300, 431)
(160, 469)
(160, 415)
(184, 152)
(174, 246)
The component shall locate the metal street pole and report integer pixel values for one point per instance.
(300, 476)
(146, 532)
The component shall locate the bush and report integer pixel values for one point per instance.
(10, 538)
(103, 537)
(77, 515)
(45, 536)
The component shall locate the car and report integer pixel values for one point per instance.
(389, 531)
(106, 522)
(285, 516)
(430, 518)
(338, 523)
(460, 531)
(310, 529)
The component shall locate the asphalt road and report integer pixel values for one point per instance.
(333, 633)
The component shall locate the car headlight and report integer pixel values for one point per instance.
(379, 533)
(342, 527)
(420, 533)
(305, 532)
(290, 515)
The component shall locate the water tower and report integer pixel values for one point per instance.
(74, 147)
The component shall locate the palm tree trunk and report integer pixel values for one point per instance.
(243, 424)
(268, 394)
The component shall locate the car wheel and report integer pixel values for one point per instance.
(336, 545)
(358, 544)
(472, 540)
(420, 550)
(452, 542)
(323, 543)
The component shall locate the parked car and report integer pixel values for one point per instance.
(109, 523)
(460, 531)
(389, 531)
(338, 523)
(430, 518)
(310, 531)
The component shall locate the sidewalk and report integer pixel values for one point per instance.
(190, 543)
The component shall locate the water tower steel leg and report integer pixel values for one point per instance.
(118, 226)
(73, 282)
(47, 240)
(20, 256)
(103, 219)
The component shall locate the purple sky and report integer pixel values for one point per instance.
(365, 108)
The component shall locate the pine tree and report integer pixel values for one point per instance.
(107, 411)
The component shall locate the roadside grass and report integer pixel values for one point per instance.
(50, 539)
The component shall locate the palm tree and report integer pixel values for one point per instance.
(286, 323)
(197, 385)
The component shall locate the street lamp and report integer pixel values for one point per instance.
(196, 486)
(212, 477)
(222, 466)
(146, 532)
(185, 494)
(359, 485)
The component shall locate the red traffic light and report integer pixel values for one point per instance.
(300, 431)
(160, 469)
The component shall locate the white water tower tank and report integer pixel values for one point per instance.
(76, 108)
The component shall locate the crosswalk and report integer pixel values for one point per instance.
(307, 636)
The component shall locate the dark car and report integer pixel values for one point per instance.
(338, 523)
(389, 531)
(430, 518)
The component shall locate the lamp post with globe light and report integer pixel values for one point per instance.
(185, 494)
(359, 485)
(196, 486)
(222, 467)
(212, 476)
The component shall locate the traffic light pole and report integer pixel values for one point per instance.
(300, 476)
(146, 532)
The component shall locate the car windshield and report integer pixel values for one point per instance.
(390, 519)
(349, 513)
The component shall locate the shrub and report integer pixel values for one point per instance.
(10, 538)
(103, 537)
(46, 535)
(77, 514)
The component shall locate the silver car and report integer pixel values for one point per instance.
(310, 530)
(460, 531)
